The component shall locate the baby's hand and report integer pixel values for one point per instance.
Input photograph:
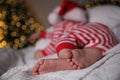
(34, 37)
(38, 54)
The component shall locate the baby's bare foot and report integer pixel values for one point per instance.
(86, 57)
(52, 65)
(65, 53)
(36, 68)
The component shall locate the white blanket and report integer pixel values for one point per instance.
(108, 68)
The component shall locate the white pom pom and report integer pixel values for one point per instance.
(53, 17)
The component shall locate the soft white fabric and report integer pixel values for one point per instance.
(105, 69)
(10, 58)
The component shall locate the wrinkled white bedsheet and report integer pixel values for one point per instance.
(108, 68)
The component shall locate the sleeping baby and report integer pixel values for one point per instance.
(77, 42)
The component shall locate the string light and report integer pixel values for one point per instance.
(16, 25)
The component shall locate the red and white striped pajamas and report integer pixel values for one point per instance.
(74, 35)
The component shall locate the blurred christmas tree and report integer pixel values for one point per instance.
(16, 25)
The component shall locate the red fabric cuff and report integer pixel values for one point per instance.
(44, 53)
(65, 46)
(43, 34)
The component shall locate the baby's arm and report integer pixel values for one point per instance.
(46, 35)
(43, 34)
(34, 37)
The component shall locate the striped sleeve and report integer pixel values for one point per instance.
(46, 35)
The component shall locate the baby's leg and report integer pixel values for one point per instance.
(52, 65)
(86, 57)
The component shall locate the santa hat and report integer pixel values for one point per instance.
(65, 11)
(68, 5)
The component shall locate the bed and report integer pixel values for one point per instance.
(18, 64)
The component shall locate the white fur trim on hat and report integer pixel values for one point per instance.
(53, 17)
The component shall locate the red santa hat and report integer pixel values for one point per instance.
(68, 5)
